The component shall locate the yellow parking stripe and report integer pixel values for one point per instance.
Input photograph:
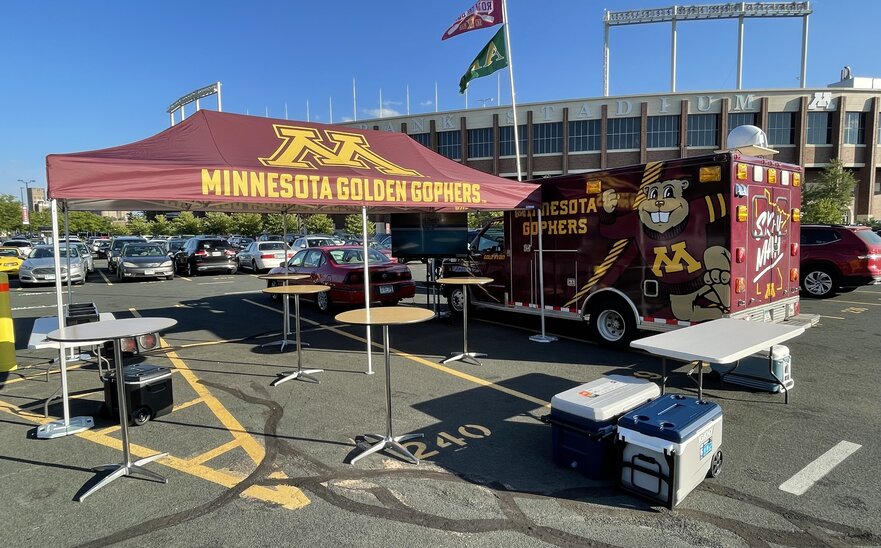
(423, 361)
(216, 452)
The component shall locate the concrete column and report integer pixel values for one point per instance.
(683, 128)
(565, 160)
(464, 140)
(529, 138)
(496, 144)
(865, 191)
(432, 129)
(604, 130)
(801, 128)
(643, 131)
(723, 123)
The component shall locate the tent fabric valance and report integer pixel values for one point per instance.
(216, 161)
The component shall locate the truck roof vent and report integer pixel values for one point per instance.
(748, 140)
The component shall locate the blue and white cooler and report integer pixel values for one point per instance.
(583, 421)
(669, 446)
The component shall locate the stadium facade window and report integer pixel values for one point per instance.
(855, 128)
(480, 142)
(449, 144)
(781, 128)
(623, 133)
(662, 131)
(742, 119)
(506, 140)
(584, 135)
(819, 128)
(703, 130)
(423, 139)
(547, 138)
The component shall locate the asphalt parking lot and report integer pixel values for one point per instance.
(251, 464)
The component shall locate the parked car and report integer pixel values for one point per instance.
(144, 260)
(99, 247)
(116, 247)
(174, 245)
(39, 267)
(838, 257)
(269, 238)
(10, 260)
(86, 254)
(373, 244)
(260, 256)
(240, 242)
(342, 268)
(205, 254)
(312, 241)
(25, 245)
(161, 243)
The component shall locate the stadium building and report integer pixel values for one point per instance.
(808, 127)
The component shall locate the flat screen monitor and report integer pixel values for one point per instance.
(435, 235)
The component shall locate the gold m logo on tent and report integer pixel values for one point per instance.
(304, 148)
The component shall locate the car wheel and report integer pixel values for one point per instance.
(191, 270)
(322, 301)
(141, 415)
(233, 269)
(120, 274)
(611, 323)
(254, 267)
(819, 282)
(170, 276)
(238, 264)
(273, 296)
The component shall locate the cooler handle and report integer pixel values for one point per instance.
(634, 467)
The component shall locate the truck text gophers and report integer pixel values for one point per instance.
(652, 246)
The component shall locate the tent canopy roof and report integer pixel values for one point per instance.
(216, 161)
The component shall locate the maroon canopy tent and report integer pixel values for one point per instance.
(215, 161)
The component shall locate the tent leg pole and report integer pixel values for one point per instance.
(67, 243)
(543, 338)
(367, 287)
(68, 425)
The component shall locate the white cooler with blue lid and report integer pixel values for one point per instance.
(583, 421)
(669, 446)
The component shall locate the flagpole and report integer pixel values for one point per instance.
(380, 102)
(499, 89)
(307, 111)
(513, 97)
(354, 102)
(330, 100)
(285, 111)
(408, 99)
(435, 95)
(466, 98)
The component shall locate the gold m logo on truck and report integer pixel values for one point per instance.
(304, 148)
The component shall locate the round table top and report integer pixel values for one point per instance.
(464, 280)
(282, 276)
(110, 329)
(385, 315)
(297, 289)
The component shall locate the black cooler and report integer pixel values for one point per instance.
(147, 389)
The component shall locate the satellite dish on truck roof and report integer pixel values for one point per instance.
(748, 140)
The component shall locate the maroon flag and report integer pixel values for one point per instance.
(484, 13)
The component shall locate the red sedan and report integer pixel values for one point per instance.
(342, 268)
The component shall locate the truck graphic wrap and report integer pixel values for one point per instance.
(652, 246)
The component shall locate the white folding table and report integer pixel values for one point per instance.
(718, 341)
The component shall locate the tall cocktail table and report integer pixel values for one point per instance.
(284, 278)
(297, 290)
(115, 330)
(386, 316)
(465, 281)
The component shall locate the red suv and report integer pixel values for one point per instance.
(838, 257)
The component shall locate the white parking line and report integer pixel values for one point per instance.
(33, 307)
(836, 301)
(831, 317)
(813, 472)
(106, 279)
(214, 283)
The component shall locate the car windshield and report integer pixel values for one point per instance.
(8, 253)
(153, 250)
(318, 242)
(48, 252)
(356, 256)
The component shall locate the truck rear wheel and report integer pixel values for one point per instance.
(456, 300)
(611, 323)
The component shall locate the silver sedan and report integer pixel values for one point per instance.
(39, 267)
(144, 260)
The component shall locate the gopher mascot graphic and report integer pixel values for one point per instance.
(671, 234)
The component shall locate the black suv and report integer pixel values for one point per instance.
(204, 254)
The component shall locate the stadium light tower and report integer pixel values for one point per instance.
(193, 97)
(732, 10)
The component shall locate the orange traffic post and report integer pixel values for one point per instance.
(7, 329)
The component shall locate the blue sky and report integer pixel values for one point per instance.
(92, 74)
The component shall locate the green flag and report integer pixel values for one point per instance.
(492, 57)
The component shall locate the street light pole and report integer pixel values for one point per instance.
(27, 191)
